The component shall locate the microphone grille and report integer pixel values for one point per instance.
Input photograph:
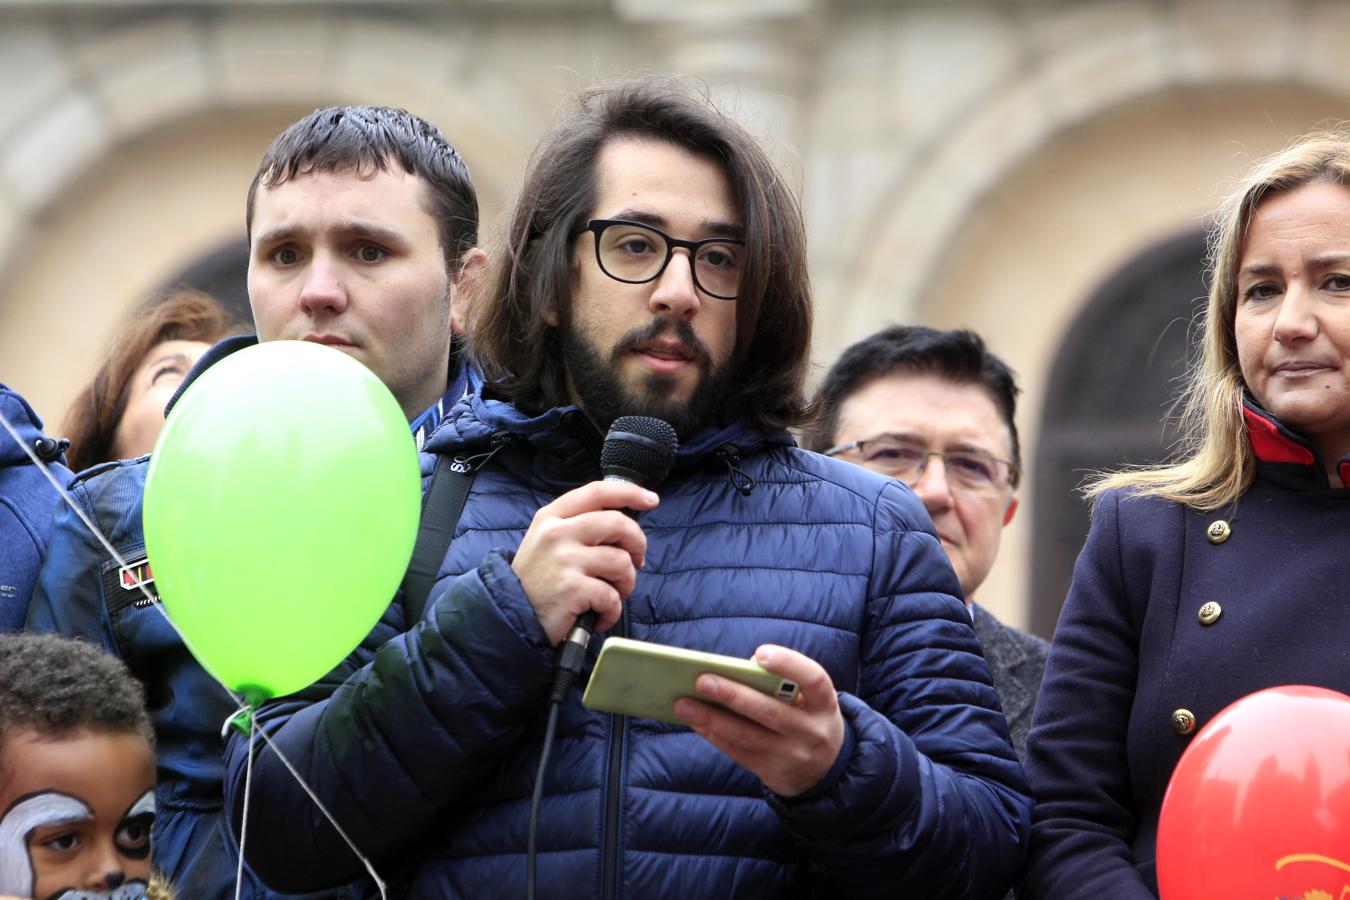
(643, 446)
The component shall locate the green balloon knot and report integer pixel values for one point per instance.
(242, 721)
(254, 695)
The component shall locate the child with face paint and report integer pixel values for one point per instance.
(77, 774)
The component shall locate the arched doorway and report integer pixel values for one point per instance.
(1108, 403)
(222, 273)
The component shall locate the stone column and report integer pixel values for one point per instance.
(755, 55)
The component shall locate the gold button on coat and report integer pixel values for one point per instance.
(1209, 613)
(1183, 721)
(1218, 531)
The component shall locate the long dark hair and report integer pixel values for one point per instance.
(533, 277)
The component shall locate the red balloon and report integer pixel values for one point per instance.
(1259, 804)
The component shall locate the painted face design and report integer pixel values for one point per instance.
(53, 846)
(75, 814)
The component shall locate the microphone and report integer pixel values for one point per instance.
(637, 450)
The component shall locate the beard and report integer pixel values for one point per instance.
(604, 397)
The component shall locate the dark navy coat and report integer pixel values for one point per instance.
(425, 743)
(27, 503)
(1132, 650)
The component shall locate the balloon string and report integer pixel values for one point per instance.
(238, 698)
(248, 791)
(370, 869)
(107, 545)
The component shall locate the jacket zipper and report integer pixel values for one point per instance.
(613, 787)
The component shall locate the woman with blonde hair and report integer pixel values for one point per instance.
(1223, 573)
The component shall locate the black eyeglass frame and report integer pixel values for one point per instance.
(598, 226)
(1013, 472)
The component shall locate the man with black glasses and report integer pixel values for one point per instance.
(935, 410)
(654, 266)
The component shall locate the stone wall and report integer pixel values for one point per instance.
(961, 163)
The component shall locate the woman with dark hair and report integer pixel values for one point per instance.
(1220, 574)
(120, 412)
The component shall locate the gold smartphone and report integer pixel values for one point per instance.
(642, 679)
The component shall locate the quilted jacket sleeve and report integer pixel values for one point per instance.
(1076, 759)
(930, 801)
(439, 681)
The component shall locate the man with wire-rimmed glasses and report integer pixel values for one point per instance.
(935, 410)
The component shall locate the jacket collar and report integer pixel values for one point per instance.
(1005, 656)
(1283, 456)
(567, 445)
(214, 354)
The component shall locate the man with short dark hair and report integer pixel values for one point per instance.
(362, 227)
(654, 266)
(936, 409)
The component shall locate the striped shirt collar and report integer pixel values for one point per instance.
(425, 424)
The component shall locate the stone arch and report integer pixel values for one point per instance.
(177, 108)
(1111, 402)
(88, 99)
(1073, 67)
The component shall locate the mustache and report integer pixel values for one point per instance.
(655, 329)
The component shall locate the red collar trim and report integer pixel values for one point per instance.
(1343, 468)
(1272, 444)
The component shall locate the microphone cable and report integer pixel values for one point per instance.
(571, 655)
(637, 450)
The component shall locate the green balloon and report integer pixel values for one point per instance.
(281, 507)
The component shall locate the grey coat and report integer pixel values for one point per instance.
(1017, 662)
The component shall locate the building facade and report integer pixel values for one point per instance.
(1039, 171)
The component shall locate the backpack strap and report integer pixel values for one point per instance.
(450, 483)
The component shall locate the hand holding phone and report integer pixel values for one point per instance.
(643, 679)
(737, 705)
(790, 747)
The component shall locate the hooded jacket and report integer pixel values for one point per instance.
(27, 504)
(425, 743)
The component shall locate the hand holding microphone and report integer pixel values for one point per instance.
(580, 556)
(579, 559)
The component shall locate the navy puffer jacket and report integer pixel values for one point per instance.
(424, 743)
